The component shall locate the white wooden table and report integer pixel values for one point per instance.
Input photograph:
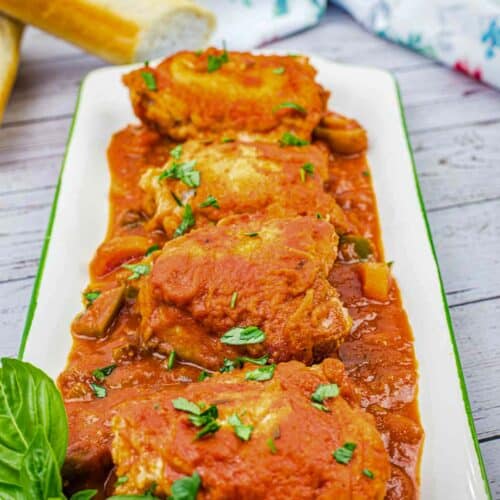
(455, 129)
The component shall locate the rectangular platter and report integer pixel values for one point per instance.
(451, 464)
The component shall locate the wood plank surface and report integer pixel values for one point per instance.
(454, 124)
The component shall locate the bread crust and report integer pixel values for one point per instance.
(110, 29)
(10, 38)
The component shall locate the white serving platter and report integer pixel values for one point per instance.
(451, 466)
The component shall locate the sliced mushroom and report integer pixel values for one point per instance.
(95, 321)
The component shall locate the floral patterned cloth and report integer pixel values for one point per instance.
(463, 34)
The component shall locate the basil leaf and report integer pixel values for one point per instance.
(290, 105)
(187, 221)
(261, 374)
(186, 488)
(243, 335)
(84, 495)
(184, 404)
(149, 80)
(344, 454)
(29, 400)
(289, 139)
(39, 473)
(325, 391)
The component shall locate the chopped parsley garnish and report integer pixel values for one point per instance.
(365, 173)
(243, 336)
(151, 490)
(184, 404)
(146, 63)
(344, 454)
(171, 360)
(272, 446)
(261, 374)
(176, 199)
(186, 488)
(203, 375)
(234, 298)
(198, 52)
(319, 216)
(227, 139)
(320, 406)
(138, 270)
(289, 139)
(101, 373)
(176, 152)
(242, 431)
(251, 235)
(279, 70)
(231, 364)
(187, 221)
(91, 296)
(149, 80)
(325, 391)
(183, 171)
(121, 480)
(98, 390)
(290, 105)
(362, 246)
(211, 201)
(368, 473)
(306, 169)
(216, 62)
(206, 419)
(151, 249)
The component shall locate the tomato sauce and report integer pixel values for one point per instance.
(378, 353)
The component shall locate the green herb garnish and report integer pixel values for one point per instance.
(203, 375)
(151, 249)
(183, 171)
(186, 488)
(216, 62)
(187, 221)
(368, 473)
(365, 173)
(149, 80)
(176, 152)
(176, 199)
(289, 139)
(325, 391)
(243, 336)
(207, 420)
(362, 246)
(101, 373)
(227, 139)
(320, 406)
(211, 201)
(242, 431)
(231, 364)
(171, 360)
(306, 169)
(121, 480)
(272, 446)
(234, 298)
(279, 70)
(290, 105)
(138, 270)
(261, 374)
(344, 454)
(98, 390)
(184, 404)
(91, 296)
(251, 235)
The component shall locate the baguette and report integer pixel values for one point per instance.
(120, 31)
(10, 38)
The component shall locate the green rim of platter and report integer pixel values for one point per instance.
(463, 386)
